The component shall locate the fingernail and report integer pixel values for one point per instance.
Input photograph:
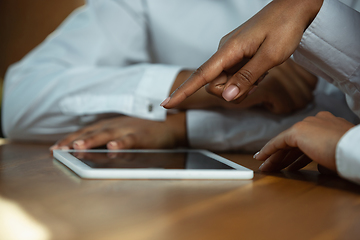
(255, 155)
(79, 144)
(261, 166)
(53, 147)
(112, 144)
(252, 90)
(165, 102)
(64, 148)
(230, 93)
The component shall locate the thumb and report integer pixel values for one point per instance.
(242, 81)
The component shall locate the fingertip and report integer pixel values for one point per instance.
(112, 145)
(79, 144)
(165, 102)
(261, 166)
(64, 148)
(54, 147)
(264, 167)
(261, 156)
(230, 93)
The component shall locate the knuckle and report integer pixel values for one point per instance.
(200, 74)
(273, 56)
(323, 114)
(108, 132)
(130, 140)
(244, 77)
(309, 119)
(298, 127)
(213, 89)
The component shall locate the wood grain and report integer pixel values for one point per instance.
(284, 205)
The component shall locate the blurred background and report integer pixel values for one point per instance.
(24, 24)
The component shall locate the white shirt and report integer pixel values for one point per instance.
(330, 47)
(121, 57)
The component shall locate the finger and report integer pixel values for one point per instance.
(325, 170)
(274, 162)
(241, 82)
(66, 142)
(94, 139)
(126, 142)
(225, 58)
(284, 140)
(292, 156)
(301, 162)
(216, 87)
(211, 69)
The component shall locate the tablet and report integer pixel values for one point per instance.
(151, 164)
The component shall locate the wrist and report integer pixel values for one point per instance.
(177, 125)
(313, 7)
(300, 11)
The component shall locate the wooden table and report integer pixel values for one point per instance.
(284, 205)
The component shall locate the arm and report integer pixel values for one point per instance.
(82, 71)
(326, 52)
(248, 52)
(276, 92)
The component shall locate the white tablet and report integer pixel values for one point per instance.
(151, 164)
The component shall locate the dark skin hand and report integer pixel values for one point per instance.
(247, 53)
(126, 133)
(286, 88)
(314, 138)
(276, 93)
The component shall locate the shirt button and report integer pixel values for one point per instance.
(150, 107)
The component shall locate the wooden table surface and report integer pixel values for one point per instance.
(284, 205)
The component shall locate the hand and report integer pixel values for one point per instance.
(127, 132)
(199, 100)
(247, 53)
(316, 137)
(287, 88)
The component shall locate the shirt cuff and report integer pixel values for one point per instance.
(348, 155)
(142, 102)
(329, 46)
(227, 130)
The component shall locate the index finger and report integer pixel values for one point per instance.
(207, 72)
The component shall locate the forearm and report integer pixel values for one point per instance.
(62, 100)
(330, 48)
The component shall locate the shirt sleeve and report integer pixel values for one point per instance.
(330, 48)
(249, 130)
(97, 62)
(347, 155)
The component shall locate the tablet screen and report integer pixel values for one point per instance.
(149, 160)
